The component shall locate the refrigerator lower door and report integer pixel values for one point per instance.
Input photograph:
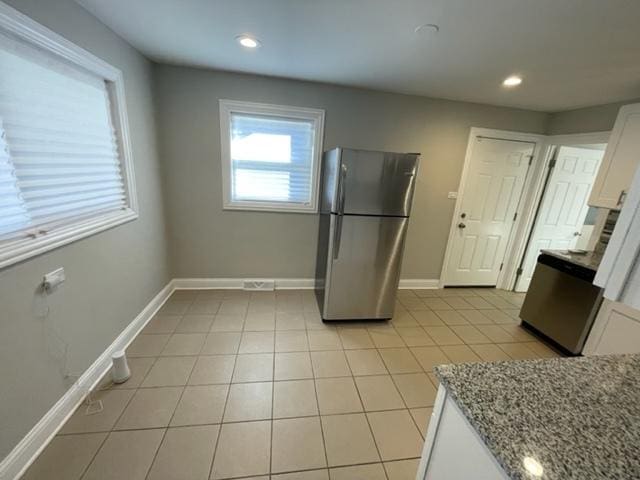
(363, 266)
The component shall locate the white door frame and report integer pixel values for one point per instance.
(514, 255)
(539, 146)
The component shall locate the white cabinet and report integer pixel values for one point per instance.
(620, 160)
(615, 330)
(452, 449)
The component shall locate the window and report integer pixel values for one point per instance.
(65, 169)
(270, 156)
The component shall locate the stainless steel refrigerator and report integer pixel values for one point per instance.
(364, 212)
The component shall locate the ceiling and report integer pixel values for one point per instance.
(571, 53)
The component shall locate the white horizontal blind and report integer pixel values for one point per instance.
(59, 160)
(271, 159)
(13, 211)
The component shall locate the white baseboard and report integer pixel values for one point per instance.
(19, 459)
(419, 283)
(283, 283)
(237, 283)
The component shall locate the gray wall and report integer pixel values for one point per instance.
(209, 242)
(110, 276)
(582, 120)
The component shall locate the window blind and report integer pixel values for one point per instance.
(59, 160)
(271, 158)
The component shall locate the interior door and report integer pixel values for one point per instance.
(563, 208)
(493, 187)
(363, 266)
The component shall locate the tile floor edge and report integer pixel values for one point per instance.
(285, 283)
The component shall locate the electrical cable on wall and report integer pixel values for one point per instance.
(50, 332)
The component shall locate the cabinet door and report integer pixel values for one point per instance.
(620, 160)
(615, 330)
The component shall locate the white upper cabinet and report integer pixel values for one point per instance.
(620, 160)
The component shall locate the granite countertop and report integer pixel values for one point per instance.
(579, 418)
(590, 260)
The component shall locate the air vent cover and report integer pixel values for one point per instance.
(259, 284)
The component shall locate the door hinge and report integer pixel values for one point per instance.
(552, 163)
(501, 265)
(519, 271)
(515, 215)
(530, 159)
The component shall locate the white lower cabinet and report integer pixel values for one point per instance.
(615, 330)
(452, 449)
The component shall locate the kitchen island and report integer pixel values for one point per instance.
(559, 419)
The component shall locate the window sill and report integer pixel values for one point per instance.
(250, 207)
(24, 249)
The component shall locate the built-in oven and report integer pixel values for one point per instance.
(561, 302)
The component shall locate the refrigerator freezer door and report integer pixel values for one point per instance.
(363, 266)
(375, 183)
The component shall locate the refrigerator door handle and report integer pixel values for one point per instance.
(337, 236)
(341, 197)
(342, 189)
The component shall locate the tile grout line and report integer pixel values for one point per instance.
(364, 413)
(120, 416)
(273, 376)
(324, 442)
(93, 457)
(166, 429)
(224, 409)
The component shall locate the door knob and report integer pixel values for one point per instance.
(462, 225)
(577, 234)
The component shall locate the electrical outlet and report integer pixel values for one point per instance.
(452, 195)
(52, 279)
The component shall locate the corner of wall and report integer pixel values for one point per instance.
(597, 118)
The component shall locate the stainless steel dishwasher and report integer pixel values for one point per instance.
(561, 302)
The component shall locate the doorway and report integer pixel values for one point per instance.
(495, 175)
(563, 220)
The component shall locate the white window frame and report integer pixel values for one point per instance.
(18, 26)
(227, 107)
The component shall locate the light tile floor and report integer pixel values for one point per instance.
(232, 384)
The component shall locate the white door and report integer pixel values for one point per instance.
(560, 220)
(493, 186)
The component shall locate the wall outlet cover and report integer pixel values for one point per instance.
(52, 279)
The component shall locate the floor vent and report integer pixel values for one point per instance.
(259, 285)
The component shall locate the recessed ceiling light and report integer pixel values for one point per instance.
(512, 81)
(247, 41)
(427, 28)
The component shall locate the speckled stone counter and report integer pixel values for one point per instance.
(590, 260)
(579, 418)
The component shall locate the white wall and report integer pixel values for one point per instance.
(110, 276)
(599, 118)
